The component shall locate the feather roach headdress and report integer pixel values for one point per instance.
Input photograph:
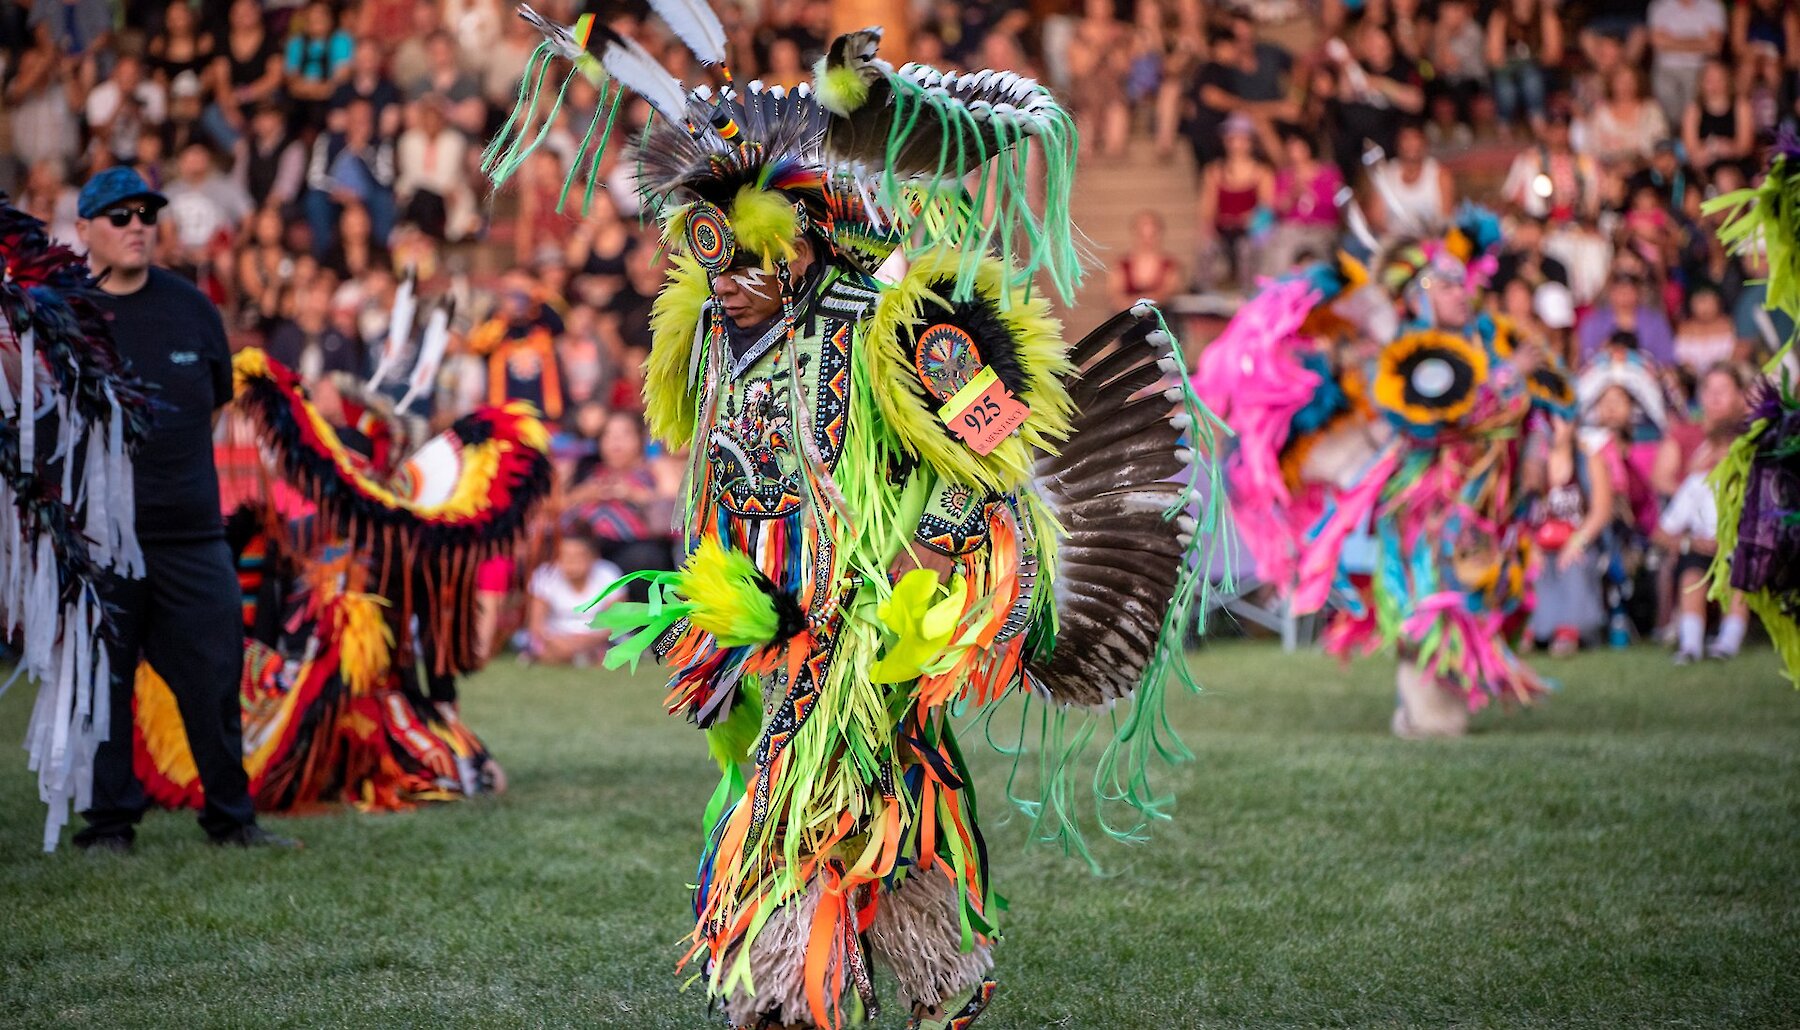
(744, 174)
(868, 159)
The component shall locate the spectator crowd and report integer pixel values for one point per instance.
(316, 152)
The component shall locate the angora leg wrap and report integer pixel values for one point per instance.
(917, 934)
(778, 966)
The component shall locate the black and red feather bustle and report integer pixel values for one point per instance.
(435, 549)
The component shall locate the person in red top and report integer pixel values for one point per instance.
(1146, 270)
(1231, 190)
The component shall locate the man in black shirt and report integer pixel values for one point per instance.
(183, 616)
(1213, 99)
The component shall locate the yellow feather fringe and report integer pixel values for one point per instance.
(365, 643)
(670, 403)
(165, 735)
(721, 584)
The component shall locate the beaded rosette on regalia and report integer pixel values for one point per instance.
(911, 394)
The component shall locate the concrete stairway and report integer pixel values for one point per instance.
(1108, 193)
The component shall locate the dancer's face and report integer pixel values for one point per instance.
(751, 294)
(1449, 301)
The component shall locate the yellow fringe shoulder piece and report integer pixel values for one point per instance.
(670, 401)
(911, 412)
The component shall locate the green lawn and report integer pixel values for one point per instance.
(1628, 855)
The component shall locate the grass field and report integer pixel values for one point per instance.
(1627, 855)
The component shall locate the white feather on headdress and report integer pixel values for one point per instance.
(632, 67)
(695, 24)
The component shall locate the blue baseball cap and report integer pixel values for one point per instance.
(112, 186)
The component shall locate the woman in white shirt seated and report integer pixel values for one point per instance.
(559, 629)
(1689, 526)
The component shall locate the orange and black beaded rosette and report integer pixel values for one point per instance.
(709, 237)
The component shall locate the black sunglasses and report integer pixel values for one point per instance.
(120, 217)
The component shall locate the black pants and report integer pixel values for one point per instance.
(185, 618)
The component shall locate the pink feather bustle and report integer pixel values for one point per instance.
(1251, 376)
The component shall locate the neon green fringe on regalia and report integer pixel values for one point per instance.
(1757, 484)
(913, 397)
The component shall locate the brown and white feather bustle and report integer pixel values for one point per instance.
(1122, 559)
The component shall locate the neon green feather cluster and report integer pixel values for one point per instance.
(717, 589)
(1767, 215)
(840, 90)
(765, 223)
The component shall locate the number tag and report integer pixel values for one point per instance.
(984, 412)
